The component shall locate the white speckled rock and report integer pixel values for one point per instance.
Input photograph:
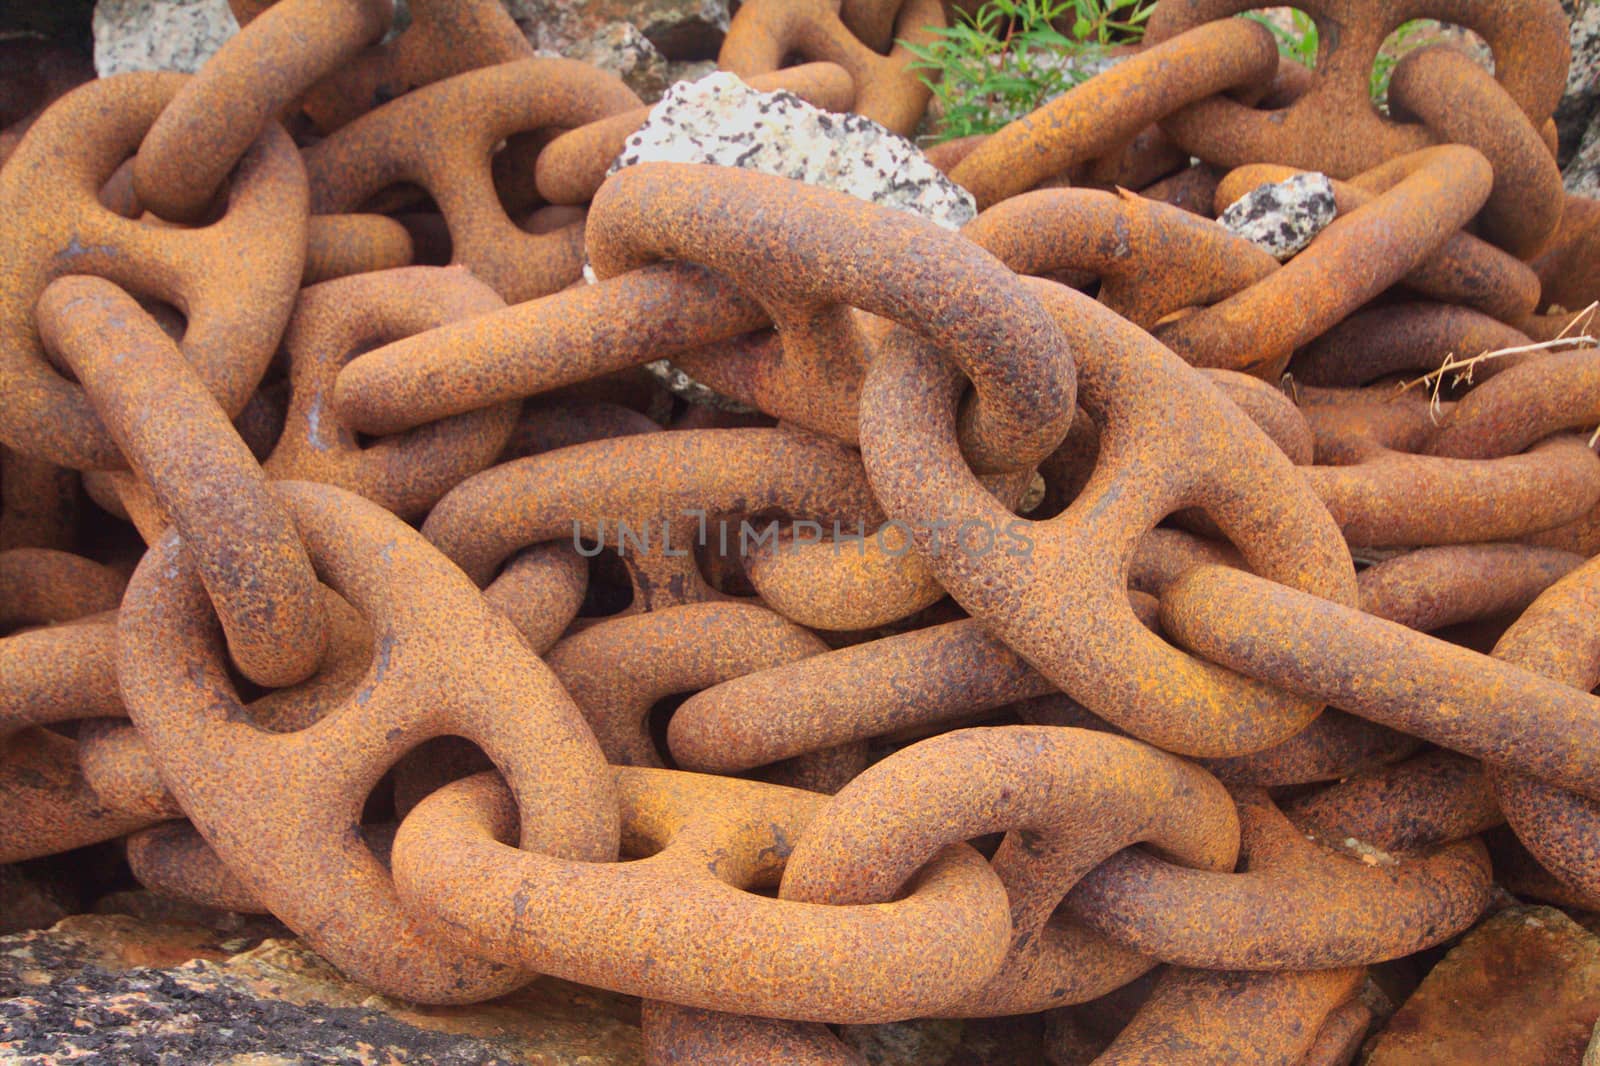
(1582, 175)
(158, 34)
(721, 120)
(1283, 216)
(1581, 101)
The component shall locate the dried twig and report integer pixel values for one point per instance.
(1461, 369)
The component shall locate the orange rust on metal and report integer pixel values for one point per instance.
(1410, 338)
(810, 255)
(1152, 259)
(702, 845)
(1567, 272)
(764, 34)
(1461, 270)
(175, 861)
(1334, 746)
(441, 137)
(341, 245)
(1334, 126)
(445, 37)
(253, 78)
(1063, 605)
(619, 668)
(1200, 1017)
(1436, 797)
(1358, 255)
(202, 476)
(1381, 670)
(408, 472)
(543, 344)
(1431, 588)
(39, 503)
(884, 825)
(1462, 103)
(234, 279)
(1294, 904)
(649, 497)
(59, 673)
(285, 825)
(572, 167)
(1523, 404)
(1555, 637)
(1375, 477)
(1111, 108)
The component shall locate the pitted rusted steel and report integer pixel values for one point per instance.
(923, 678)
(1383, 494)
(1152, 259)
(253, 78)
(59, 673)
(1462, 103)
(1556, 638)
(445, 37)
(280, 809)
(649, 497)
(618, 669)
(543, 344)
(572, 167)
(1409, 338)
(1463, 269)
(406, 473)
(1523, 404)
(340, 245)
(1063, 605)
(117, 762)
(203, 477)
(1035, 783)
(1295, 904)
(1194, 189)
(764, 34)
(1431, 588)
(1334, 127)
(234, 279)
(441, 137)
(683, 922)
(1567, 272)
(1332, 747)
(34, 73)
(810, 255)
(1111, 108)
(175, 861)
(677, 1034)
(1436, 797)
(39, 503)
(1383, 671)
(1429, 195)
(1198, 1018)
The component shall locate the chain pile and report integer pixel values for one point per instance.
(431, 567)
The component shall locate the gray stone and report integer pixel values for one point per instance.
(679, 29)
(719, 119)
(158, 34)
(1582, 173)
(619, 47)
(1283, 216)
(1581, 101)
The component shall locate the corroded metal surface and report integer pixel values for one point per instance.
(1037, 622)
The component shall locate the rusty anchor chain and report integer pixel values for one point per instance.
(1081, 604)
